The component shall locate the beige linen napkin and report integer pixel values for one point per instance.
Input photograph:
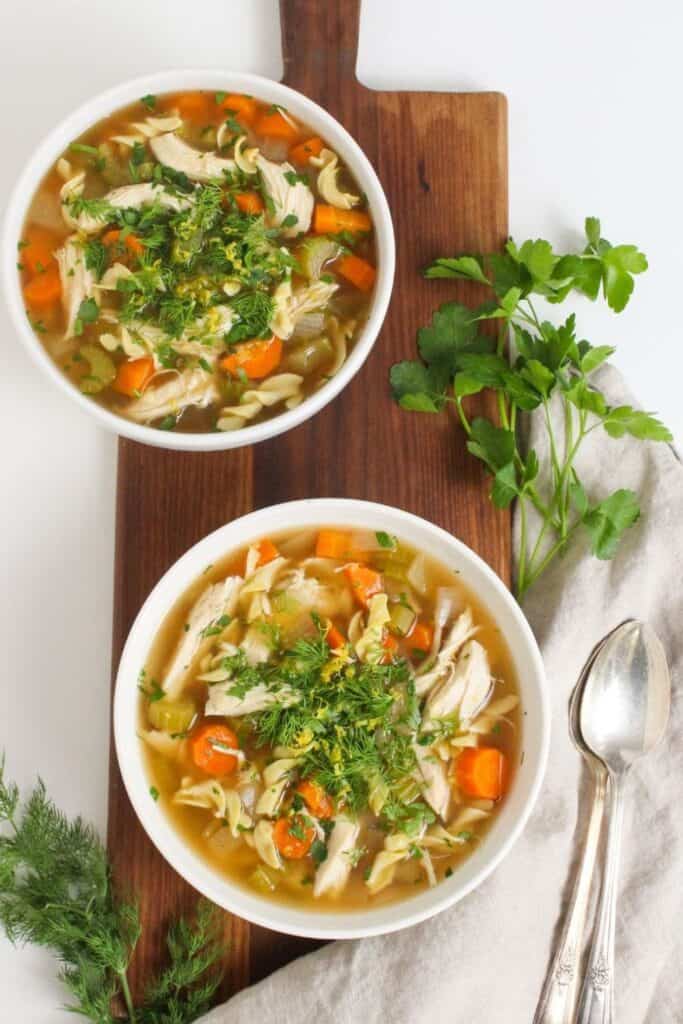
(484, 960)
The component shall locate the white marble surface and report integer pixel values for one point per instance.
(594, 129)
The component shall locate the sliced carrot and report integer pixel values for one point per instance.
(249, 202)
(256, 358)
(293, 844)
(482, 772)
(266, 552)
(318, 801)
(328, 220)
(275, 125)
(132, 375)
(131, 241)
(193, 106)
(332, 544)
(209, 746)
(390, 645)
(358, 271)
(335, 638)
(243, 108)
(302, 153)
(37, 250)
(44, 289)
(365, 582)
(421, 636)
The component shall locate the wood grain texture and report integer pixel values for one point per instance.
(442, 159)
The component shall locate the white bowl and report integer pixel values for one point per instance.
(525, 654)
(172, 81)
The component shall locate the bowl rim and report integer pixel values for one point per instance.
(282, 917)
(108, 101)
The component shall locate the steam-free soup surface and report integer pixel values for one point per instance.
(330, 718)
(198, 261)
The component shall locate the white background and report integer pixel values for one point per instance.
(594, 93)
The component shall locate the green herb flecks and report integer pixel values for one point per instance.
(352, 724)
(550, 366)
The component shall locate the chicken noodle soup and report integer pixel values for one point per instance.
(198, 262)
(330, 718)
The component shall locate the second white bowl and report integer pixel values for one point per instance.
(475, 575)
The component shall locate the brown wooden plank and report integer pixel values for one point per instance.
(442, 159)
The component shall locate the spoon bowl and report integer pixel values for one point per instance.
(625, 700)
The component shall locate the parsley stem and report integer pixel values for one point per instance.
(522, 545)
(463, 418)
(554, 550)
(553, 450)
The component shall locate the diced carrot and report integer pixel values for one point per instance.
(302, 153)
(365, 582)
(482, 772)
(390, 645)
(193, 106)
(257, 358)
(328, 220)
(333, 544)
(421, 636)
(275, 125)
(249, 202)
(131, 241)
(335, 638)
(358, 271)
(37, 251)
(243, 108)
(44, 289)
(293, 837)
(133, 375)
(266, 552)
(209, 746)
(318, 801)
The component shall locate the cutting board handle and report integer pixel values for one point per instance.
(320, 47)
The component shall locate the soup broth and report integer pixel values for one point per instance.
(198, 262)
(330, 718)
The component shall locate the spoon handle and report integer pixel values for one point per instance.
(596, 1005)
(557, 1003)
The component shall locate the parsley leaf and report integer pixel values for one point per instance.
(607, 521)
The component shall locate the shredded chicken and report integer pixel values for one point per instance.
(465, 691)
(290, 198)
(333, 874)
(222, 702)
(218, 599)
(77, 281)
(190, 387)
(461, 630)
(172, 151)
(433, 780)
(291, 304)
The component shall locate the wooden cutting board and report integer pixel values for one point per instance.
(442, 159)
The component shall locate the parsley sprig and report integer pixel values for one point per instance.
(549, 365)
(56, 892)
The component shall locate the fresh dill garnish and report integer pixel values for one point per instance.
(96, 257)
(56, 892)
(254, 310)
(353, 724)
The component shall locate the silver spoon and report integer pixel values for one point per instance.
(557, 1003)
(623, 713)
